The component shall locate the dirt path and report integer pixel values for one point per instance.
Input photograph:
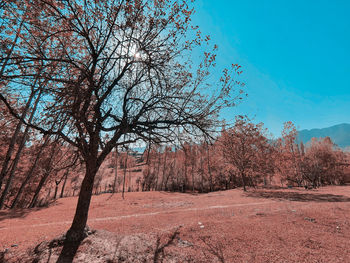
(180, 211)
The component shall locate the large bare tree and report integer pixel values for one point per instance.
(113, 72)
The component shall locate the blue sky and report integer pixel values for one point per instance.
(295, 57)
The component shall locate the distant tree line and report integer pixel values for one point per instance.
(243, 156)
(38, 169)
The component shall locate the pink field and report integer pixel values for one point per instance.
(293, 225)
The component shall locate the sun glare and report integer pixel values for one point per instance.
(137, 55)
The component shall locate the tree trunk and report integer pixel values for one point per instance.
(185, 181)
(129, 181)
(40, 186)
(243, 181)
(57, 182)
(13, 169)
(115, 170)
(47, 173)
(125, 165)
(209, 170)
(56, 189)
(192, 172)
(5, 164)
(18, 154)
(48, 196)
(64, 183)
(163, 174)
(202, 173)
(34, 201)
(76, 231)
(158, 168)
(147, 182)
(30, 173)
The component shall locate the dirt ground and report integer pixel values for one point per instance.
(280, 225)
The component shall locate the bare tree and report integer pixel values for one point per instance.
(113, 67)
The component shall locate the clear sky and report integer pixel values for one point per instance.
(295, 57)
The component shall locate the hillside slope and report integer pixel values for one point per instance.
(340, 134)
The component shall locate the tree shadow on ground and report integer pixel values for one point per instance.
(17, 213)
(297, 196)
(45, 250)
(68, 252)
(23, 212)
(94, 247)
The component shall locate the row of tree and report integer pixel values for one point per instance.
(242, 156)
(38, 169)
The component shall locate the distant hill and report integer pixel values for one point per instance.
(340, 134)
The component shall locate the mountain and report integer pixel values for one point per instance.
(340, 134)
